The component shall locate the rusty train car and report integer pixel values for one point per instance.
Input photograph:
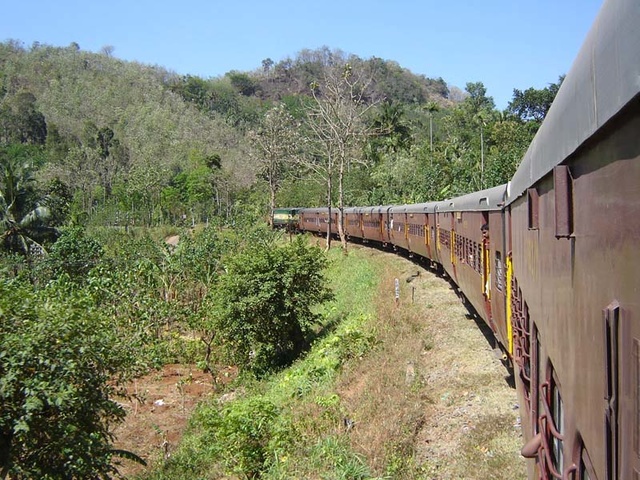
(551, 261)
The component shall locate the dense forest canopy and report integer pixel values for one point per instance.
(92, 148)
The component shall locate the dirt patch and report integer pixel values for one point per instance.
(173, 240)
(158, 411)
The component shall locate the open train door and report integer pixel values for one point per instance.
(486, 267)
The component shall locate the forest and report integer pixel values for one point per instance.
(102, 159)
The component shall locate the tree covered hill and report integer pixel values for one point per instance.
(124, 139)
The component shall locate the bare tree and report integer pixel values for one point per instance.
(336, 120)
(275, 144)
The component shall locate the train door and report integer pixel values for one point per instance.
(427, 235)
(452, 245)
(486, 266)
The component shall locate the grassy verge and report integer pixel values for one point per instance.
(408, 390)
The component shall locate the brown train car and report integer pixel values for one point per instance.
(397, 227)
(317, 220)
(310, 220)
(474, 224)
(420, 220)
(573, 209)
(374, 224)
(353, 222)
(444, 232)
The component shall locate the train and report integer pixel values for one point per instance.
(550, 261)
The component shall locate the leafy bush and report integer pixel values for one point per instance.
(74, 254)
(61, 362)
(262, 307)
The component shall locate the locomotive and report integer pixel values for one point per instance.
(551, 260)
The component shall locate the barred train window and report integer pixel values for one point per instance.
(499, 271)
(551, 424)
(558, 419)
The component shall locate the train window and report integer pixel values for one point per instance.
(499, 271)
(563, 193)
(557, 412)
(611, 323)
(522, 344)
(586, 468)
(536, 355)
(532, 205)
(551, 425)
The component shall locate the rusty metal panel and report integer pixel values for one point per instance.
(563, 191)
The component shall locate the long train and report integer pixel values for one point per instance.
(550, 261)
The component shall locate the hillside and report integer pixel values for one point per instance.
(122, 141)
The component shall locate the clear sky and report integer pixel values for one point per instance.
(505, 44)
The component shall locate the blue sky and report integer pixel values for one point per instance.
(506, 44)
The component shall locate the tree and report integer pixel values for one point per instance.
(21, 121)
(431, 107)
(533, 104)
(262, 307)
(74, 254)
(477, 99)
(23, 224)
(338, 129)
(391, 133)
(275, 143)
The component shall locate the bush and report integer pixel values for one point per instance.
(74, 254)
(60, 365)
(263, 306)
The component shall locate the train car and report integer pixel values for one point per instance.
(397, 227)
(310, 220)
(353, 222)
(472, 237)
(420, 220)
(573, 217)
(444, 227)
(374, 224)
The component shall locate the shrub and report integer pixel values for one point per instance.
(60, 365)
(263, 306)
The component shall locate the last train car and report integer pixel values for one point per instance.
(573, 208)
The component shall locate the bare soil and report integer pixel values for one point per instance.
(158, 411)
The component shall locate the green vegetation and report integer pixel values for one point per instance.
(289, 425)
(102, 160)
(260, 310)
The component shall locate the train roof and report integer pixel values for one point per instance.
(375, 209)
(315, 210)
(484, 200)
(603, 79)
(428, 207)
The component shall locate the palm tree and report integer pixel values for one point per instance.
(22, 228)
